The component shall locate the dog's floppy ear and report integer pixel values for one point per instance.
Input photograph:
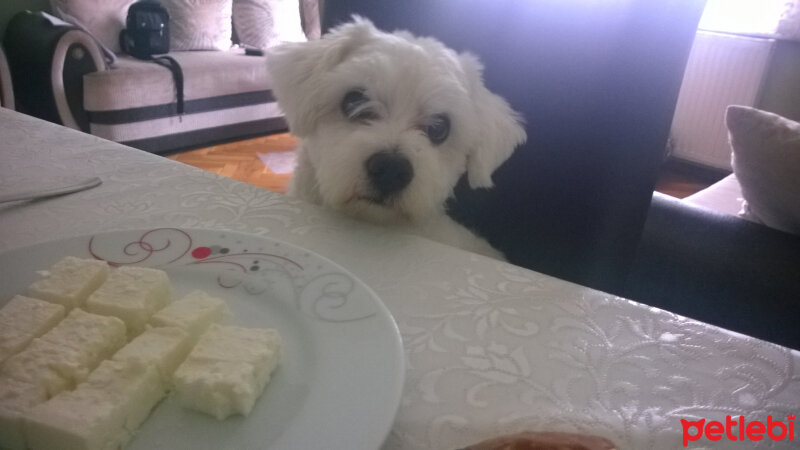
(298, 69)
(501, 129)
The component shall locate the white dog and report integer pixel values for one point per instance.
(388, 123)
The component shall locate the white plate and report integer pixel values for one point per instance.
(340, 378)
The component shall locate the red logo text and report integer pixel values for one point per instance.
(738, 429)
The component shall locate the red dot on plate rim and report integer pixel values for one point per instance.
(201, 252)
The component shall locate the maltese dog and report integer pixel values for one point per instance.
(387, 124)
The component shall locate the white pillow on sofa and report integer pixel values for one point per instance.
(103, 19)
(266, 23)
(199, 24)
(766, 160)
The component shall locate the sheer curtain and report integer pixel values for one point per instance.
(789, 24)
(768, 18)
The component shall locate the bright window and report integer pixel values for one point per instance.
(758, 17)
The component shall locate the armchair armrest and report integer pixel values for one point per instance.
(6, 90)
(720, 269)
(47, 63)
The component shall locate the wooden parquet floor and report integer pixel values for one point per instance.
(678, 185)
(239, 160)
(682, 180)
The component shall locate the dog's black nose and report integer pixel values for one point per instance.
(388, 172)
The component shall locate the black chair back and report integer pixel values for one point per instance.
(596, 82)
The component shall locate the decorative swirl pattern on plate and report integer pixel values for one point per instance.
(151, 248)
(334, 297)
(330, 297)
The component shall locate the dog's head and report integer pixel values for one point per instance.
(390, 122)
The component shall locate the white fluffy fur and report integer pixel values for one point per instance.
(408, 80)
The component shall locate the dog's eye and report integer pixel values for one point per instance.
(438, 129)
(353, 106)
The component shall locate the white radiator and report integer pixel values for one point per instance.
(722, 70)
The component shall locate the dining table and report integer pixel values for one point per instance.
(488, 348)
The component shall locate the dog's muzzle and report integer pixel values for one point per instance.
(388, 173)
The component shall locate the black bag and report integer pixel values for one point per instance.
(147, 30)
(147, 34)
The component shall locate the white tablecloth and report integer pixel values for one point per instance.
(490, 348)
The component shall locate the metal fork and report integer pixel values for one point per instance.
(51, 191)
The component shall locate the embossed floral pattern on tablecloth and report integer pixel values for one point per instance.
(490, 348)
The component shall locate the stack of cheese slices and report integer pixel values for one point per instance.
(88, 352)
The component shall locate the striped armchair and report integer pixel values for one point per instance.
(61, 75)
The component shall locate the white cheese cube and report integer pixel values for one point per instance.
(70, 281)
(98, 336)
(227, 370)
(193, 313)
(230, 343)
(65, 355)
(101, 413)
(162, 347)
(53, 367)
(56, 362)
(219, 388)
(25, 318)
(133, 294)
(16, 398)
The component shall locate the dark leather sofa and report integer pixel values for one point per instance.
(720, 269)
(597, 83)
